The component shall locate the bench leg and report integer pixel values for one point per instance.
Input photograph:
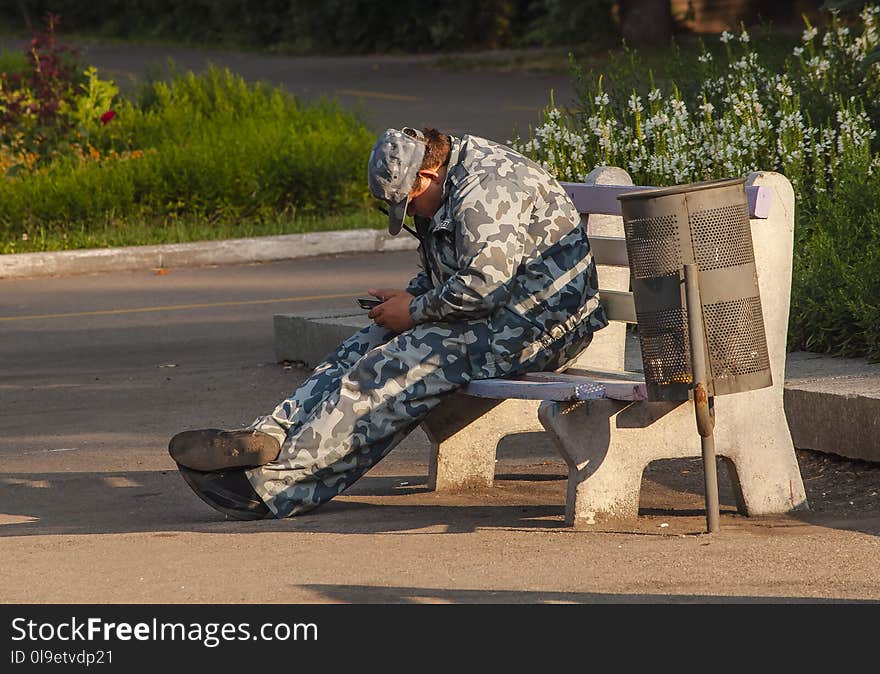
(761, 460)
(464, 432)
(604, 478)
(607, 445)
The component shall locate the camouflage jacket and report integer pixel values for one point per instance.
(507, 252)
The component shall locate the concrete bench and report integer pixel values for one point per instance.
(596, 411)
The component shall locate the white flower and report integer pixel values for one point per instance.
(819, 66)
(635, 104)
(744, 37)
(705, 58)
(726, 37)
(797, 51)
(784, 88)
(809, 34)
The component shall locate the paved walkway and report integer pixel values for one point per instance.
(100, 370)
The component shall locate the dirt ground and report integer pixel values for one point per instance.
(836, 486)
(839, 486)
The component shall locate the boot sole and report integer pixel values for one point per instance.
(231, 513)
(212, 449)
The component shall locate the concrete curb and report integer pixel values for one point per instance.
(202, 253)
(310, 336)
(832, 404)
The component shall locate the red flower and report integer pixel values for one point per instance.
(107, 116)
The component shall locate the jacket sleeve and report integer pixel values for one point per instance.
(490, 215)
(419, 284)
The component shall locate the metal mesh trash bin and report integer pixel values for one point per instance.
(695, 287)
(704, 224)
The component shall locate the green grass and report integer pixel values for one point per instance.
(109, 233)
(201, 149)
(12, 62)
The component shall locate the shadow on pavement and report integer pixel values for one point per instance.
(159, 501)
(74, 503)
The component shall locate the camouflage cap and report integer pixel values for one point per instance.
(394, 164)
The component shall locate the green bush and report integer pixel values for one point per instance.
(726, 112)
(333, 26)
(204, 147)
(12, 62)
(37, 99)
(835, 306)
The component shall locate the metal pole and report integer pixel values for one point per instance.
(703, 404)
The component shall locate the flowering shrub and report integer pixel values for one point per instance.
(48, 107)
(815, 121)
(743, 118)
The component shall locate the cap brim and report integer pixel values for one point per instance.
(396, 214)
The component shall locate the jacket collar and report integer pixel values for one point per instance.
(440, 217)
(454, 152)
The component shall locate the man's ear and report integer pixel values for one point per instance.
(431, 174)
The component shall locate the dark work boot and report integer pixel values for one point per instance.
(228, 491)
(215, 449)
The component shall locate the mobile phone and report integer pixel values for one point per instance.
(368, 303)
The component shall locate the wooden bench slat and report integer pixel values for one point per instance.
(599, 374)
(618, 386)
(607, 377)
(609, 250)
(619, 305)
(602, 199)
(534, 390)
(556, 386)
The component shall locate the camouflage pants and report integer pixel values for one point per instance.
(358, 405)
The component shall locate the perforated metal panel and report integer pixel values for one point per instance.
(665, 346)
(737, 343)
(705, 224)
(722, 237)
(653, 246)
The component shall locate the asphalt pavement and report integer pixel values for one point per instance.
(100, 371)
(390, 91)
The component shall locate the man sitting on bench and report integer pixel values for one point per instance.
(508, 285)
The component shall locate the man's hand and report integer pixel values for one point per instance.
(393, 313)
